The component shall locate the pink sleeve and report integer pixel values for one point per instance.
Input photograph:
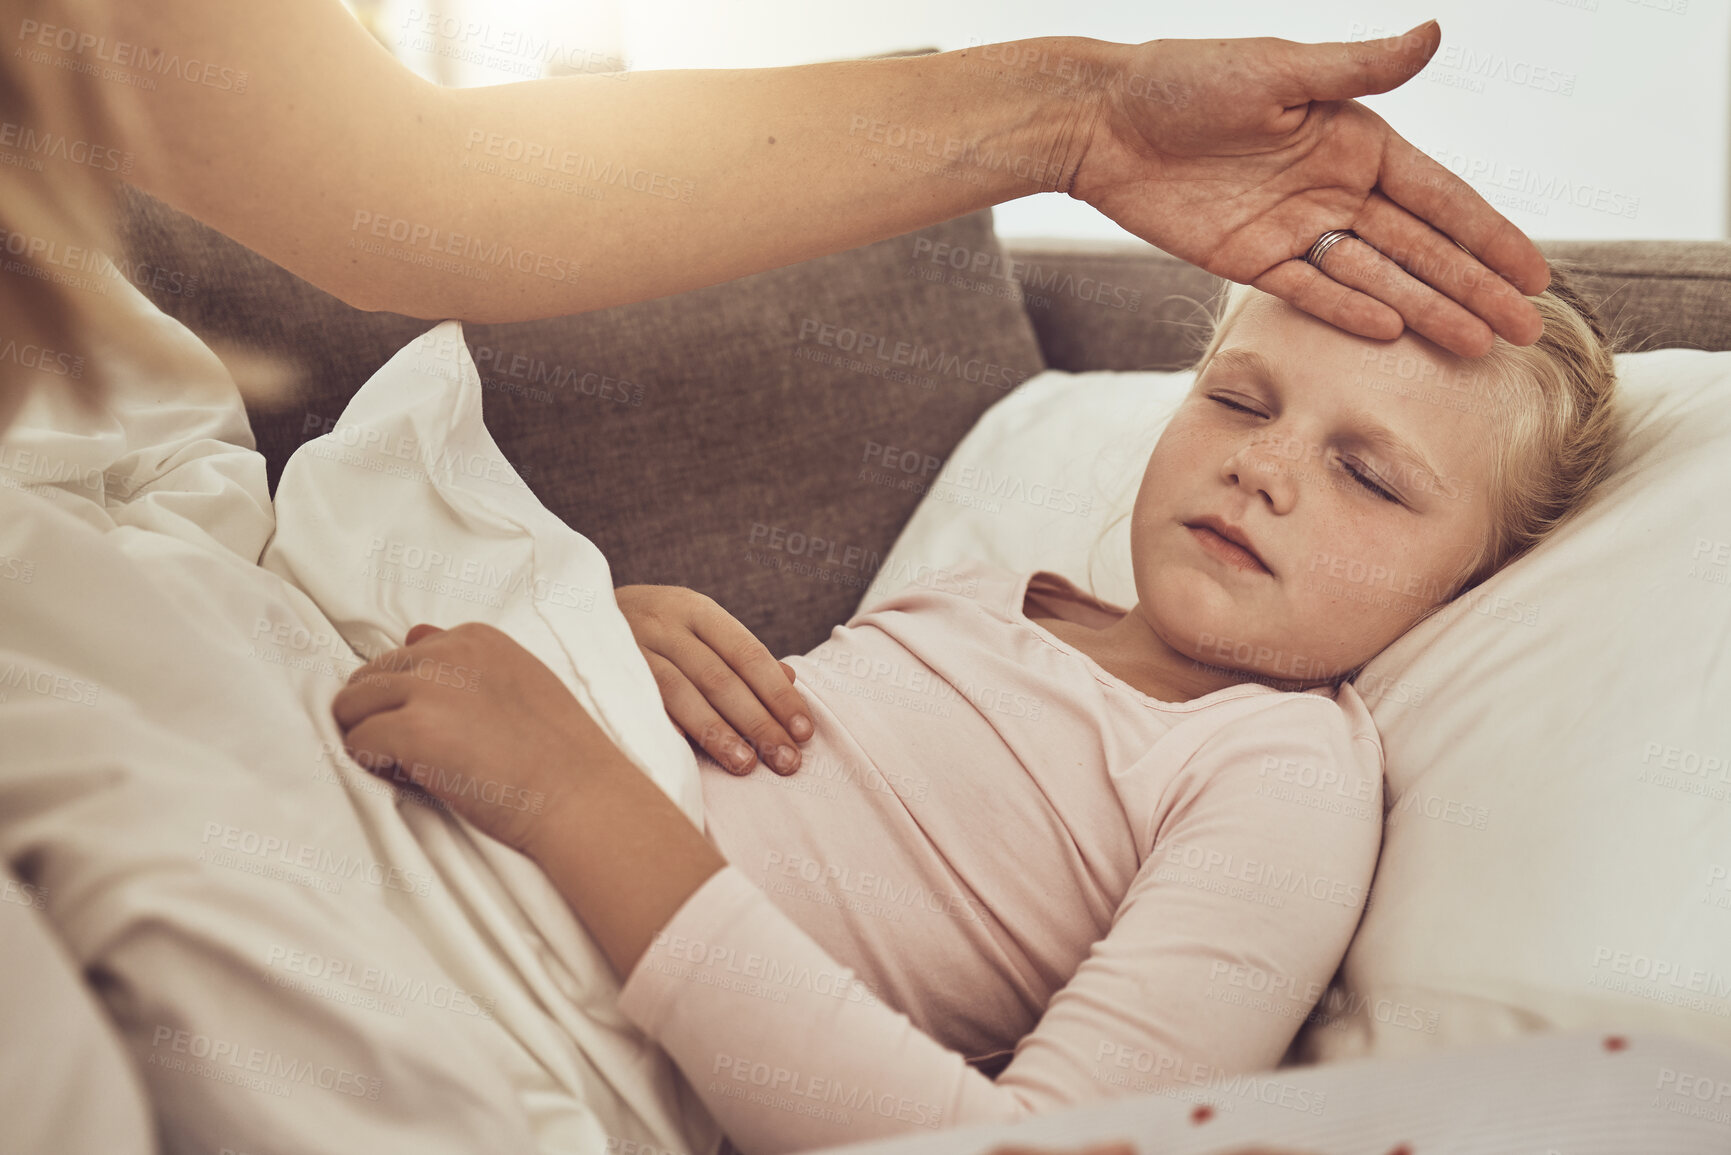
(1230, 931)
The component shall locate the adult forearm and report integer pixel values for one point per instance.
(732, 172)
(290, 129)
(562, 195)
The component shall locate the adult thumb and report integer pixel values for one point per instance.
(1344, 70)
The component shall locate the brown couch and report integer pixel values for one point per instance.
(679, 433)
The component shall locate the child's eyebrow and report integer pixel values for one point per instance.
(1362, 423)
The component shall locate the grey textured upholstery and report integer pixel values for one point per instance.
(680, 434)
(1657, 294)
(714, 439)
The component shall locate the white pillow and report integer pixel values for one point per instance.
(447, 533)
(1558, 742)
(1035, 484)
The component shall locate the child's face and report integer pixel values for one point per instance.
(1346, 570)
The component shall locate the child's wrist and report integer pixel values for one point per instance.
(595, 787)
(621, 852)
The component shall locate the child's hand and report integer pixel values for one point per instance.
(474, 719)
(721, 686)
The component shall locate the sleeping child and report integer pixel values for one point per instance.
(1040, 850)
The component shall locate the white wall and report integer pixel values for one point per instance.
(1576, 118)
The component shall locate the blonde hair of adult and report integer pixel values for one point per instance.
(57, 183)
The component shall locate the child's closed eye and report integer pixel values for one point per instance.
(1230, 404)
(1364, 479)
(1369, 483)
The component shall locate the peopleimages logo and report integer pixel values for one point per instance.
(553, 159)
(57, 146)
(172, 1049)
(786, 1088)
(221, 837)
(442, 242)
(122, 54)
(391, 559)
(1030, 275)
(1538, 188)
(914, 355)
(329, 971)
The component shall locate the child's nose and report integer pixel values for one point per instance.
(1263, 466)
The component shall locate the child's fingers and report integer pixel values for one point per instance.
(373, 744)
(768, 678)
(693, 714)
(369, 691)
(735, 701)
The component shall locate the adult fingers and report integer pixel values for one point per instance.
(768, 678)
(1343, 70)
(1430, 192)
(1301, 285)
(692, 712)
(1358, 266)
(1440, 263)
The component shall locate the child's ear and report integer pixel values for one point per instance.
(423, 630)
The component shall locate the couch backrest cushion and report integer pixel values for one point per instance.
(735, 439)
(1126, 305)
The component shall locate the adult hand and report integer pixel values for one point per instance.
(1236, 155)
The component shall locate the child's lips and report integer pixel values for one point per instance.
(1229, 552)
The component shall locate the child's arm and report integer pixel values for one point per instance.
(786, 1048)
(512, 751)
(1247, 895)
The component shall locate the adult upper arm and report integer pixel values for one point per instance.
(272, 123)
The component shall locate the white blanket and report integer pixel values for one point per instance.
(297, 959)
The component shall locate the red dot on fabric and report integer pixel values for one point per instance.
(1615, 1042)
(1403, 1149)
(1202, 1113)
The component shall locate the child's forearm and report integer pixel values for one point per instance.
(619, 850)
(624, 855)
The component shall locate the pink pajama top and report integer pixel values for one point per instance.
(995, 850)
